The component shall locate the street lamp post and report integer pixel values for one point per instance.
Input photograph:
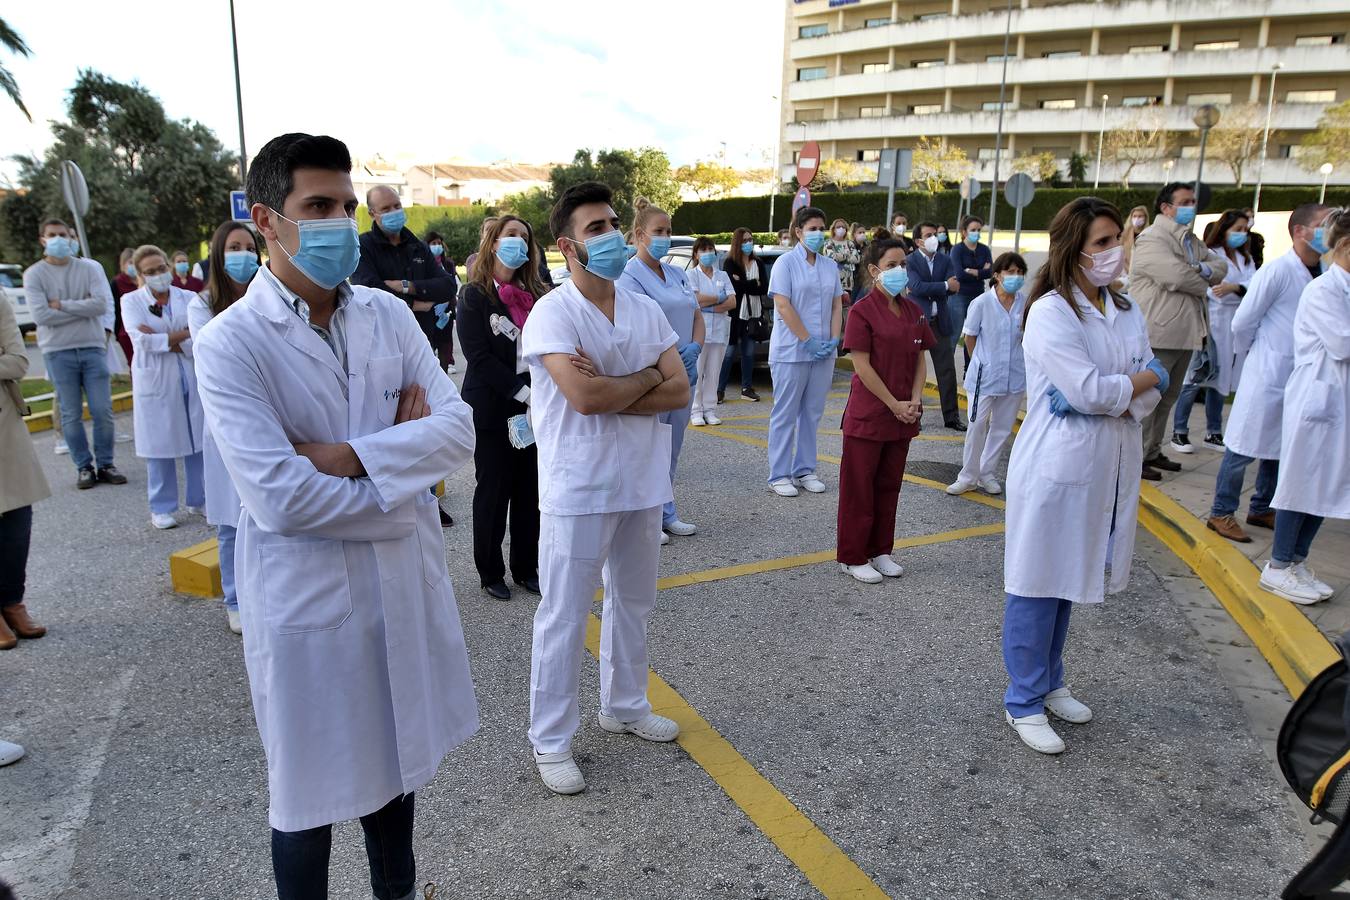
(238, 99)
(1101, 139)
(998, 135)
(1326, 173)
(1206, 117)
(775, 173)
(1265, 138)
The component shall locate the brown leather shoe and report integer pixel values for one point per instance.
(7, 639)
(1262, 520)
(1228, 527)
(21, 623)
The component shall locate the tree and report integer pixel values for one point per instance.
(842, 174)
(1330, 142)
(1044, 167)
(1078, 165)
(631, 174)
(1236, 140)
(534, 207)
(14, 43)
(937, 164)
(1142, 139)
(708, 180)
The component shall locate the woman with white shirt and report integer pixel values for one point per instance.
(167, 413)
(716, 297)
(1073, 482)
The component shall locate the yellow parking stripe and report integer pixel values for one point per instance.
(834, 432)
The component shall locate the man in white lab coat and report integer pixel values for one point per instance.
(603, 365)
(333, 418)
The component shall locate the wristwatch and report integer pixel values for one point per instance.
(406, 286)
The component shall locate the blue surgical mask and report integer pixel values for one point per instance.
(1236, 239)
(707, 260)
(392, 222)
(658, 246)
(437, 249)
(512, 251)
(240, 265)
(605, 255)
(329, 250)
(894, 281)
(813, 240)
(130, 270)
(1013, 283)
(1185, 215)
(629, 251)
(1318, 242)
(748, 247)
(59, 247)
(973, 236)
(181, 268)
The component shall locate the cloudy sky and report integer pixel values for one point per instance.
(479, 81)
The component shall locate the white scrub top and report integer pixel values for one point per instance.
(716, 325)
(812, 289)
(607, 462)
(673, 294)
(998, 367)
(1315, 445)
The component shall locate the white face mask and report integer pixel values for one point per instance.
(1139, 221)
(1106, 265)
(159, 283)
(930, 243)
(840, 233)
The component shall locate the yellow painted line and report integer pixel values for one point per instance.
(42, 421)
(810, 850)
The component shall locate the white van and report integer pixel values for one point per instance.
(11, 282)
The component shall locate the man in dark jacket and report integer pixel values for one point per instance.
(932, 281)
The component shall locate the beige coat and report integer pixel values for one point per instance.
(1167, 287)
(21, 480)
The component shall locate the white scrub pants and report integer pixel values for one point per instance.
(799, 393)
(709, 371)
(678, 420)
(989, 431)
(577, 554)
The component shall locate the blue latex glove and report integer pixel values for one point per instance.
(689, 354)
(519, 432)
(814, 346)
(1157, 368)
(827, 348)
(1059, 407)
(442, 311)
(722, 293)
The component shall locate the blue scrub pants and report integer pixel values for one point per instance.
(225, 535)
(799, 393)
(1034, 630)
(678, 420)
(161, 476)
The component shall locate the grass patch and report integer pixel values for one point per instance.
(34, 387)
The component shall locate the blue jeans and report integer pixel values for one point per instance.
(79, 375)
(1034, 632)
(225, 535)
(1181, 416)
(1294, 533)
(1228, 485)
(161, 479)
(800, 390)
(745, 348)
(300, 858)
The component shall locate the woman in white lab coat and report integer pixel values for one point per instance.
(231, 265)
(1315, 439)
(1227, 235)
(1073, 482)
(716, 298)
(167, 413)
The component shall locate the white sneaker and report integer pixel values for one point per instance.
(1062, 705)
(1310, 577)
(1036, 733)
(665, 538)
(195, 510)
(989, 484)
(232, 615)
(559, 772)
(960, 486)
(650, 727)
(60, 449)
(10, 753)
(711, 419)
(120, 438)
(163, 521)
(811, 483)
(450, 369)
(783, 487)
(864, 573)
(683, 529)
(697, 421)
(887, 566)
(1286, 583)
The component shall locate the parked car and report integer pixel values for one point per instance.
(11, 282)
(681, 257)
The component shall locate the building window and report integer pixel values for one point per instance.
(1141, 101)
(1205, 46)
(925, 109)
(873, 68)
(1292, 151)
(988, 153)
(813, 73)
(1062, 54)
(929, 63)
(928, 17)
(815, 114)
(1310, 97)
(1318, 40)
(1059, 104)
(810, 31)
(999, 57)
(1216, 99)
(876, 23)
(993, 105)
(869, 155)
(873, 112)
(1148, 48)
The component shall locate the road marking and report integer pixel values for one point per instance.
(835, 432)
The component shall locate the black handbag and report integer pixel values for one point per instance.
(757, 327)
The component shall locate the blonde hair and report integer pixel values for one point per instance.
(1337, 225)
(644, 212)
(145, 251)
(1130, 232)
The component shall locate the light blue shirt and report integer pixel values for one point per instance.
(998, 366)
(673, 294)
(812, 289)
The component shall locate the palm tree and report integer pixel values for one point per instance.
(12, 41)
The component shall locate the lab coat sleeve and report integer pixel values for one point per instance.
(406, 459)
(1322, 312)
(1054, 338)
(198, 314)
(1265, 287)
(282, 491)
(135, 313)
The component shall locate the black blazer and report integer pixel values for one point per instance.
(490, 379)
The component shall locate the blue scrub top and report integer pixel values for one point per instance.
(812, 290)
(674, 295)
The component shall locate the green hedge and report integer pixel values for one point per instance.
(421, 217)
(869, 207)
(762, 238)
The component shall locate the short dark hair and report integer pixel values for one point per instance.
(806, 214)
(46, 222)
(578, 195)
(1007, 261)
(433, 236)
(967, 221)
(701, 244)
(271, 174)
(1167, 192)
(1307, 215)
(900, 214)
(918, 229)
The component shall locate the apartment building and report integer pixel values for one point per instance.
(863, 75)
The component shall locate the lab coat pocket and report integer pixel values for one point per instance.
(384, 382)
(156, 380)
(588, 463)
(431, 544)
(1071, 453)
(305, 586)
(1322, 405)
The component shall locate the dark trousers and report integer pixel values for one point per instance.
(507, 484)
(944, 370)
(16, 527)
(742, 347)
(869, 491)
(300, 858)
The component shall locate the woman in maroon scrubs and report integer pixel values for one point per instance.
(886, 337)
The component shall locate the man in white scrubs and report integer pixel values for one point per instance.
(603, 366)
(333, 418)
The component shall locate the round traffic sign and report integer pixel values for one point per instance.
(970, 188)
(802, 199)
(74, 190)
(1019, 190)
(808, 163)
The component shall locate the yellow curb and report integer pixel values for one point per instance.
(42, 421)
(196, 570)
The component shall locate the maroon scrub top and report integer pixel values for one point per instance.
(893, 344)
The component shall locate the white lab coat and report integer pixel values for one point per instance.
(1263, 329)
(167, 415)
(222, 500)
(352, 640)
(1221, 311)
(1315, 443)
(1068, 477)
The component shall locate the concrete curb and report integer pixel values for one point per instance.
(43, 421)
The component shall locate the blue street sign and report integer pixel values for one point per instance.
(239, 207)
